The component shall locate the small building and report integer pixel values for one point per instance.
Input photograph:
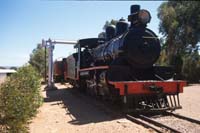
(4, 73)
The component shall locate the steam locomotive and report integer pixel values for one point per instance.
(121, 66)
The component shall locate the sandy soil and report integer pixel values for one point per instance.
(65, 112)
(190, 101)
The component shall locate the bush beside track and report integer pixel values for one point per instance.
(19, 99)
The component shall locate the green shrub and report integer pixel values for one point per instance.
(19, 99)
(191, 68)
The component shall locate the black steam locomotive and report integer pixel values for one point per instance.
(121, 66)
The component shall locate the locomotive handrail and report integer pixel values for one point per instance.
(94, 68)
(148, 37)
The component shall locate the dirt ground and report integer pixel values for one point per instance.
(65, 112)
(190, 101)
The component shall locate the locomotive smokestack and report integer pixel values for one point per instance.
(135, 8)
(133, 17)
(121, 26)
(110, 32)
(139, 17)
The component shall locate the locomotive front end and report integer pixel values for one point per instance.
(141, 47)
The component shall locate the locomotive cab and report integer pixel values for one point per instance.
(85, 47)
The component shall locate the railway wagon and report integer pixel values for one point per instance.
(59, 70)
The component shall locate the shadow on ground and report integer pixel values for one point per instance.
(79, 107)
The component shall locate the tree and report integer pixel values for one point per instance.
(180, 26)
(102, 35)
(13, 67)
(37, 59)
(191, 67)
(107, 23)
(111, 22)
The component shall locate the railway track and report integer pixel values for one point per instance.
(159, 127)
(183, 117)
(144, 120)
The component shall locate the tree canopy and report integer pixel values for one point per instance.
(107, 23)
(37, 59)
(180, 27)
(111, 22)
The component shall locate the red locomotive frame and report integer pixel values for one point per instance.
(142, 87)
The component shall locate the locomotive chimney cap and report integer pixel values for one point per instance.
(134, 13)
(135, 9)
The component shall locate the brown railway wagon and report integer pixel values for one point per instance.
(59, 70)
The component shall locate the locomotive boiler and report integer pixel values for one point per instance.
(135, 49)
(121, 66)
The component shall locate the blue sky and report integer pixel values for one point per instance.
(24, 23)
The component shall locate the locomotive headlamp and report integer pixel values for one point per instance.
(144, 16)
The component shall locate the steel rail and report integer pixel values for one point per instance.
(184, 117)
(158, 123)
(147, 119)
(135, 120)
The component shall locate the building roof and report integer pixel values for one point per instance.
(7, 71)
